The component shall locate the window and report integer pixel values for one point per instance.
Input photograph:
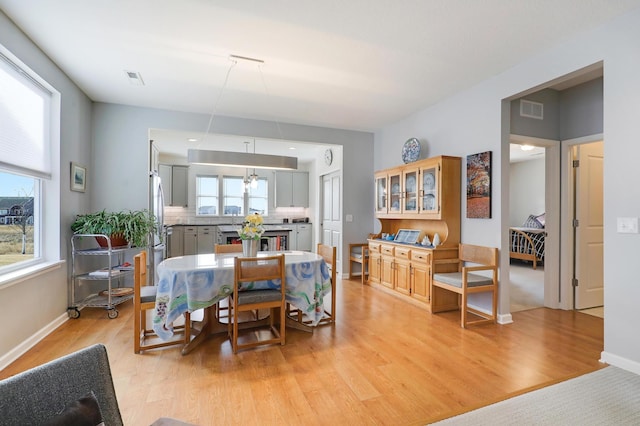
(259, 198)
(236, 201)
(233, 195)
(29, 157)
(207, 195)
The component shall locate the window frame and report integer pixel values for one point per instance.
(47, 229)
(199, 195)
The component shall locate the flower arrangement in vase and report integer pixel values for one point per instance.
(252, 227)
(250, 233)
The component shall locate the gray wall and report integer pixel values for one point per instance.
(568, 114)
(475, 121)
(29, 308)
(121, 142)
(582, 110)
(548, 127)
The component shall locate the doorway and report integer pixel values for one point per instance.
(331, 223)
(526, 224)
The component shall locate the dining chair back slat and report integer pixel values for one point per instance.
(248, 271)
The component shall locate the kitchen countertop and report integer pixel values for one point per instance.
(267, 228)
(228, 227)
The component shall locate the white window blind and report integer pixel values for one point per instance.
(24, 122)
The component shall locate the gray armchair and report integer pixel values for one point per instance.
(35, 396)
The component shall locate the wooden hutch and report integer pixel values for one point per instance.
(425, 196)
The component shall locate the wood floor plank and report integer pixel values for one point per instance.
(384, 362)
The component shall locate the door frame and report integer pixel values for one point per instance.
(566, 258)
(552, 244)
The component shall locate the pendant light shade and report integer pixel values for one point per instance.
(241, 159)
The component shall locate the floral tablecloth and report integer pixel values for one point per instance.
(189, 283)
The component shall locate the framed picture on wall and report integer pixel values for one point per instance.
(479, 185)
(78, 177)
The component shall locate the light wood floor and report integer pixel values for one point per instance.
(385, 362)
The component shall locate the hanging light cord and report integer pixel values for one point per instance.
(215, 106)
(266, 90)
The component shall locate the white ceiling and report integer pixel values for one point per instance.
(357, 64)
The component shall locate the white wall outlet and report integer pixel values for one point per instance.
(627, 225)
(349, 218)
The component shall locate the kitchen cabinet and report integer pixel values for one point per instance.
(175, 184)
(291, 189)
(206, 239)
(301, 237)
(198, 239)
(176, 242)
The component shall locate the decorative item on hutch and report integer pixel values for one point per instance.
(411, 150)
(250, 233)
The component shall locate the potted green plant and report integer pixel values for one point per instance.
(130, 227)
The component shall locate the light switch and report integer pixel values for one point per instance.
(627, 225)
(349, 218)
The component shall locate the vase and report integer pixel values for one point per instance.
(250, 248)
(436, 240)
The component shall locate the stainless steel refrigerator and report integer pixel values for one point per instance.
(157, 242)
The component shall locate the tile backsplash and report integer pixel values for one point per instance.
(187, 215)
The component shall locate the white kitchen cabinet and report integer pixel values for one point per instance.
(176, 241)
(198, 239)
(206, 239)
(175, 184)
(301, 237)
(190, 240)
(292, 189)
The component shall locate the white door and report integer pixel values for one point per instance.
(331, 213)
(589, 243)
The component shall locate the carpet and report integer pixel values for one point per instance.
(609, 396)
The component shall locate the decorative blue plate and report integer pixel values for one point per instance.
(411, 150)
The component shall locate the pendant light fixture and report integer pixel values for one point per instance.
(254, 177)
(241, 159)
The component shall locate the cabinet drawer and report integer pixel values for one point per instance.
(374, 247)
(403, 253)
(420, 256)
(387, 250)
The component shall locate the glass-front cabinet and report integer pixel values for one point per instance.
(429, 189)
(381, 193)
(410, 193)
(425, 189)
(395, 196)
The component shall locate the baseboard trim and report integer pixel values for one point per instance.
(618, 361)
(30, 342)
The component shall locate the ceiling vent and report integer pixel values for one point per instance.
(531, 109)
(134, 78)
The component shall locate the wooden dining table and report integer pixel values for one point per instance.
(190, 283)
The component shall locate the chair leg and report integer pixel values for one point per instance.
(136, 329)
(282, 326)
(463, 310)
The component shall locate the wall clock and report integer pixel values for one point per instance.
(328, 157)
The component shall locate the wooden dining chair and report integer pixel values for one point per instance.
(471, 259)
(227, 248)
(144, 299)
(247, 271)
(222, 306)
